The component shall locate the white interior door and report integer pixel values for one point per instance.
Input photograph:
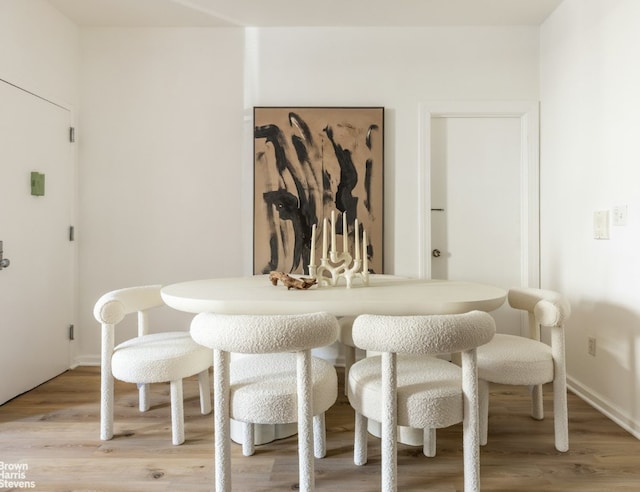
(481, 225)
(36, 290)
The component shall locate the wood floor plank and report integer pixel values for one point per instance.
(54, 430)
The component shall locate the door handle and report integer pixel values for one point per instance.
(4, 262)
(436, 253)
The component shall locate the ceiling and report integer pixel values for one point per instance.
(305, 13)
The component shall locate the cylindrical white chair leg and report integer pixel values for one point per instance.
(319, 436)
(205, 392)
(389, 438)
(305, 421)
(106, 408)
(360, 440)
(248, 440)
(429, 442)
(143, 397)
(222, 431)
(560, 412)
(470, 424)
(560, 418)
(483, 409)
(537, 408)
(177, 412)
(106, 384)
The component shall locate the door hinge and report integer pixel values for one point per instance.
(71, 333)
(72, 233)
(72, 134)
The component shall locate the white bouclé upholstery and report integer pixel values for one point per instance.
(279, 382)
(158, 358)
(419, 406)
(148, 358)
(517, 360)
(254, 334)
(263, 389)
(405, 386)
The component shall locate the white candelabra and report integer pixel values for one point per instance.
(339, 265)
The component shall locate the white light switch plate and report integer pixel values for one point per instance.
(601, 224)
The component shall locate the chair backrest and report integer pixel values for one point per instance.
(431, 334)
(550, 308)
(113, 306)
(544, 308)
(261, 334)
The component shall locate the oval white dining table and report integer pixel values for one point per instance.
(385, 294)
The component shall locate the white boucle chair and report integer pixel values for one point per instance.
(147, 358)
(405, 386)
(516, 360)
(279, 383)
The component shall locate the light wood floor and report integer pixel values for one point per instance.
(54, 430)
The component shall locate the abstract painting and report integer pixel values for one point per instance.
(309, 161)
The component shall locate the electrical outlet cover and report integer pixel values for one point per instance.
(620, 215)
(601, 224)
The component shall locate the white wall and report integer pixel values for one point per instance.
(160, 139)
(397, 68)
(39, 50)
(590, 161)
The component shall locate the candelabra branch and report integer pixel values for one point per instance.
(335, 265)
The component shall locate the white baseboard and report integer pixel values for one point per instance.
(85, 360)
(605, 407)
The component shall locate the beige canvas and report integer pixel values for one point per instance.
(309, 161)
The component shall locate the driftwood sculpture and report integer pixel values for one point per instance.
(291, 282)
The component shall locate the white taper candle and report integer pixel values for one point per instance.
(333, 231)
(324, 239)
(357, 244)
(345, 233)
(365, 259)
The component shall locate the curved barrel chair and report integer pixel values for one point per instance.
(279, 383)
(147, 358)
(405, 386)
(518, 360)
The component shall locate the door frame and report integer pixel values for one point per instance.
(528, 113)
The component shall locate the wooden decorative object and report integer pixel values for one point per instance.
(291, 282)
